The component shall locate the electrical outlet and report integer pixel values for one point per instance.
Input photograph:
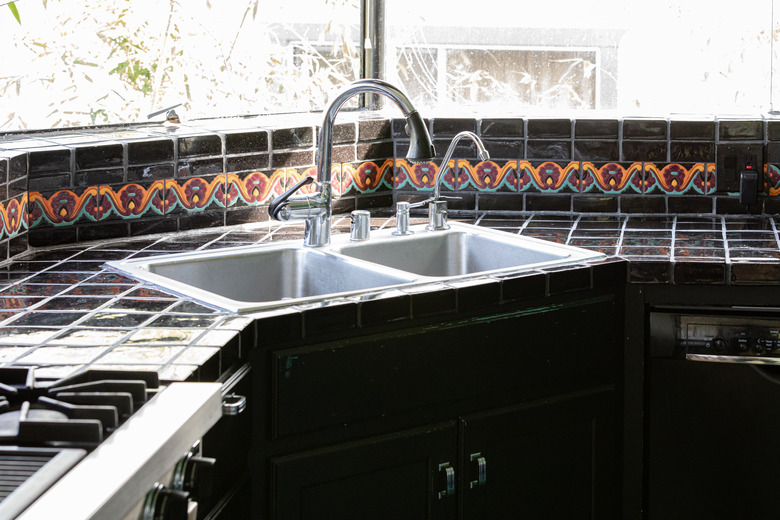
(733, 159)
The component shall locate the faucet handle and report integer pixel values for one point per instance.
(360, 227)
(277, 205)
(437, 215)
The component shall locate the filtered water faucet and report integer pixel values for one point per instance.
(316, 208)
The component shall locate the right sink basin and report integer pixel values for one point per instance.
(462, 250)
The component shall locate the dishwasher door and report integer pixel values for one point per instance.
(713, 417)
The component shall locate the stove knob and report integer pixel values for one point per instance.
(719, 345)
(163, 503)
(188, 472)
(758, 346)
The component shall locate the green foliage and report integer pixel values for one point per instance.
(15, 12)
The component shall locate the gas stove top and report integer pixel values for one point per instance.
(100, 442)
(78, 411)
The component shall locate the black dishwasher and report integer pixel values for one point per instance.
(712, 424)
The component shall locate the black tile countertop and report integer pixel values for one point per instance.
(61, 311)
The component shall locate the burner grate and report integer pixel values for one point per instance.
(78, 411)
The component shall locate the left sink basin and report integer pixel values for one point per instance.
(249, 278)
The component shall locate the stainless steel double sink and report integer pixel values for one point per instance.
(252, 278)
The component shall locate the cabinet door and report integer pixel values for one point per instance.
(551, 459)
(404, 475)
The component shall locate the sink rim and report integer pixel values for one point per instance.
(138, 268)
(569, 254)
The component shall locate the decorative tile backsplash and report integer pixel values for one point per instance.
(59, 187)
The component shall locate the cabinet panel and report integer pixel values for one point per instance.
(557, 458)
(441, 371)
(388, 477)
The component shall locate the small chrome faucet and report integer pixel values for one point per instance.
(437, 208)
(315, 208)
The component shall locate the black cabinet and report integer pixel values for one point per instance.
(403, 475)
(489, 416)
(556, 458)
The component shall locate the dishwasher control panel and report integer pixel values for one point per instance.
(750, 339)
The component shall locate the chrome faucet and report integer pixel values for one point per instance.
(315, 209)
(437, 208)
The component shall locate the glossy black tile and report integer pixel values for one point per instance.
(740, 130)
(692, 152)
(590, 204)
(568, 279)
(548, 202)
(645, 129)
(190, 307)
(751, 273)
(477, 294)
(371, 130)
(732, 206)
(199, 167)
(199, 145)
(500, 201)
(44, 236)
(610, 271)
(504, 149)
(292, 159)
(433, 302)
(117, 319)
(155, 225)
(50, 183)
(183, 321)
(254, 162)
(773, 130)
(642, 204)
(604, 151)
(549, 128)
(596, 129)
(524, 287)
(301, 137)
(692, 130)
(336, 317)
(148, 151)
(138, 305)
(376, 150)
(700, 272)
(47, 160)
(151, 172)
(649, 271)
(48, 319)
(17, 165)
(449, 127)
(246, 141)
(511, 127)
(75, 303)
(344, 153)
(645, 151)
(103, 176)
(99, 156)
(687, 204)
(385, 308)
(549, 150)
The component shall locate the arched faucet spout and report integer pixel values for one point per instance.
(316, 208)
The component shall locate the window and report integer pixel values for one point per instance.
(628, 56)
(115, 61)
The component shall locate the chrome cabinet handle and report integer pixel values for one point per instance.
(233, 404)
(481, 470)
(449, 475)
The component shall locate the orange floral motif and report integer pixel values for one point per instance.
(367, 177)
